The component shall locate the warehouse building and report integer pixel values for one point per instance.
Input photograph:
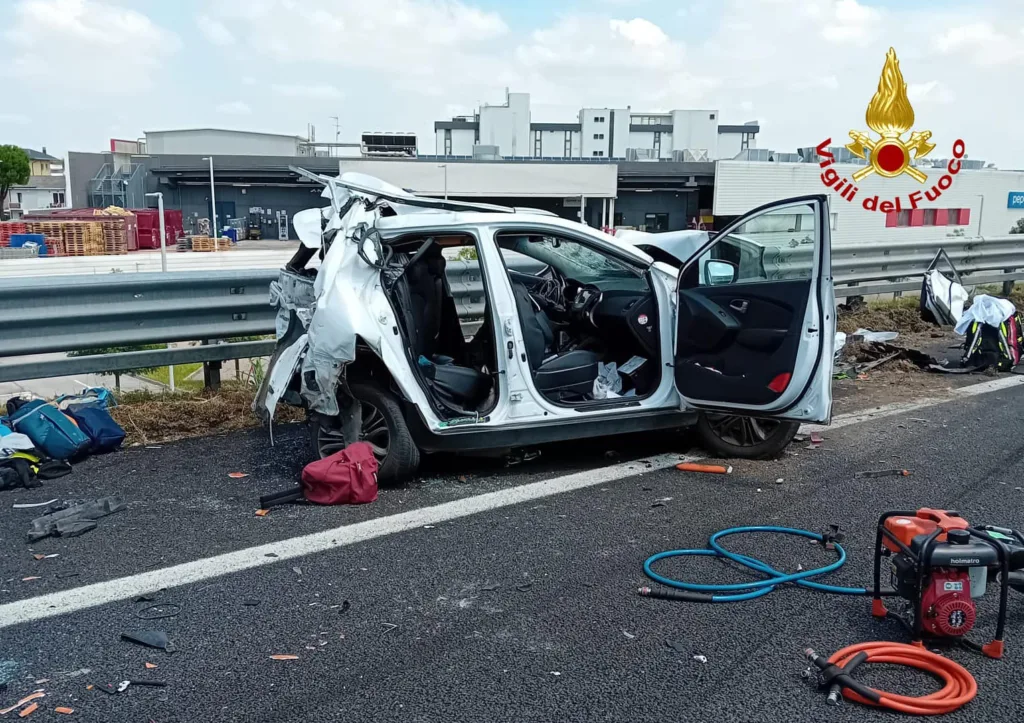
(507, 131)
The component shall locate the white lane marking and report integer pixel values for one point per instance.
(889, 410)
(100, 593)
(66, 601)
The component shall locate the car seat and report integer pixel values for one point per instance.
(434, 326)
(563, 374)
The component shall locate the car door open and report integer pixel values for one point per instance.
(755, 326)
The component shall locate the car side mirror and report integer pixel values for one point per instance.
(717, 272)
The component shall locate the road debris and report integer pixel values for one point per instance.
(250, 602)
(30, 505)
(521, 455)
(151, 666)
(297, 571)
(780, 480)
(160, 611)
(27, 699)
(63, 710)
(75, 520)
(30, 578)
(708, 468)
(676, 646)
(885, 473)
(524, 587)
(150, 639)
(238, 475)
(628, 635)
(700, 658)
(389, 626)
(490, 587)
(555, 673)
(262, 513)
(661, 502)
(29, 711)
(284, 657)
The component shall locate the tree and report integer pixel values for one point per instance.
(14, 169)
(1018, 227)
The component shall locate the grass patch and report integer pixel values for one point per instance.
(154, 418)
(181, 374)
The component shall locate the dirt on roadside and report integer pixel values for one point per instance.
(149, 418)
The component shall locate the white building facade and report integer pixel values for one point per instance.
(982, 202)
(621, 133)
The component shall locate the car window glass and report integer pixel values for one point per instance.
(571, 258)
(777, 245)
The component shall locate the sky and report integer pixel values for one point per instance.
(79, 72)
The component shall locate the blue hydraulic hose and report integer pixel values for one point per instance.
(696, 592)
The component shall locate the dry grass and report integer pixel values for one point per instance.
(902, 315)
(149, 418)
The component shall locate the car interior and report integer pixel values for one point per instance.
(582, 313)
(454, 358)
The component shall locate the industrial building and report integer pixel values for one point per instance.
(507, 131)
(654, 194)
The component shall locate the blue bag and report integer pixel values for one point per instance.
(50, 430)
(93, 396)
(105, 434)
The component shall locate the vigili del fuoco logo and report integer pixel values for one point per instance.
(889, 154)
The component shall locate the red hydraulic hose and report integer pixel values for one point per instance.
(959, 688)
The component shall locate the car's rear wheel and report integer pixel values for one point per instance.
(383, 427)
(730, 435)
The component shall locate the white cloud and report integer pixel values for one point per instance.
(982, 44)
(313, 92)
(639, 32)
(215, 31)
(847, 21)
(63, 42)
(931, 92)
(234, 107)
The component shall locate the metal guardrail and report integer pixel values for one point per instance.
(75, 313)
(72, 313)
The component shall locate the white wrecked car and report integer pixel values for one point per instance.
(433, 325)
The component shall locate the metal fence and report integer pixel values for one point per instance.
(39, 316)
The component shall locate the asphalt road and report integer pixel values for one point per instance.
(523, 612)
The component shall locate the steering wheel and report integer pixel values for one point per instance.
(587, 298)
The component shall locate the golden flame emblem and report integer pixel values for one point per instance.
(890, 115)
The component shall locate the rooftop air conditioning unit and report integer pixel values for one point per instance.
(695, 155)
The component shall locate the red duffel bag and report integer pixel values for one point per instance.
(348, 477)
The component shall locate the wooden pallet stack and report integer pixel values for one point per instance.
(7, 228)
(204, 243)
(84, 238)
(115, 242)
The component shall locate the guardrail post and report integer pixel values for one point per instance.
(1008, 287)
(211, 372)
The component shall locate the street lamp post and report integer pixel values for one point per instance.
(445, 167)
(163, 263)
(213, 200)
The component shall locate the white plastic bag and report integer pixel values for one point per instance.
(608, 383)
(986, 309)
(876, 335)
(944, 298)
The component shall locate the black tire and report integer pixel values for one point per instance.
(384, 427)
(732, 436)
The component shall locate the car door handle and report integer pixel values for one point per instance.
(739, 305)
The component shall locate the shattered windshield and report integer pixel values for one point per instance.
(570, 258)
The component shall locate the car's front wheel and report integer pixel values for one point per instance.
(383, 427)
(730, 435)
